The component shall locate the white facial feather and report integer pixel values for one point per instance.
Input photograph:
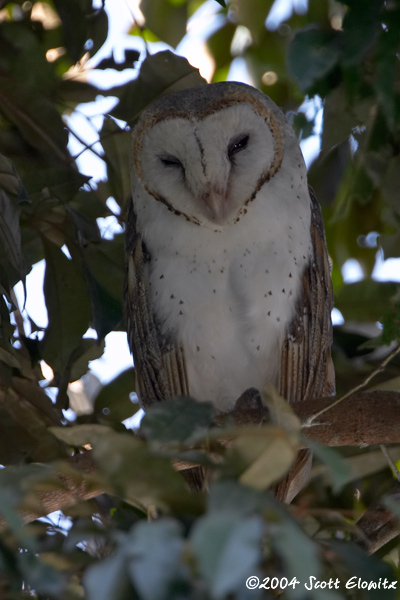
(223, 285)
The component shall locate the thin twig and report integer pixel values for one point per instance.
(382, 366)
(84, 144)
(19, 319)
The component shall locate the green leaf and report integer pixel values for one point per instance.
(177, 421)
(281, 412)
(36, 118)
(108, 578)
(10, 236)
(87, 227)
(88, 349)
(67, 303)
(44, 578)
(390, 385)
(98, 28)
(12, 195)
(228, 550)
(364, 300)
(10, 181)
(104, 274)
(391, 323)
(297, 551)
(366, 567)
(313, 54)
(79, 435)
(160, 74)
(61, 183)
(232, 496)
(152, 480)
(165, 18)
(219, 44)
(361, 26)
(259, 456)
(80, 21)
(252, 14)
(338, 467)
(390, 184)
(117, 144)
(131, 56)
(76, 92)
(113, 401)
(22, 483)
(339, 120)
(386, 67)
(154, 553)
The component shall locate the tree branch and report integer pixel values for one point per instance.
(362, 419)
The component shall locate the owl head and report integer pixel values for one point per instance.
(205, 152)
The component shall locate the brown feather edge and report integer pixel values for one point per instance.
(306, 369)
(160, 367)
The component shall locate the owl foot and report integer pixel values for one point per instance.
(249, 408)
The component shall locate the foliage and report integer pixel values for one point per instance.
(200, 546)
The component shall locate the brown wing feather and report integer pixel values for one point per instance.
(306, 368)
(160, 365)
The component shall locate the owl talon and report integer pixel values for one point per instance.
(250, 400)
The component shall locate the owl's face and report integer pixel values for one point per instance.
(208, 164)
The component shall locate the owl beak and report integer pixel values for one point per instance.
(216, 206)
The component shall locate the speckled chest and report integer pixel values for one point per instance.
(228, 298)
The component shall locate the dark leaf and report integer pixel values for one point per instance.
(131, 56)
(108, 579)
(367, 568)
(391, 323)
(152, 480)
(232, 496)
(113, 402)
(297, 551)
(88, 349)
(160, 74)
(387, 67)
(228, 549)
(259, 456)
(117, 146)
(252, 14)
(166, 19)
(68, 307)
(154, 551)
(361, 28)
(363, 301)
(70, 90)
(176, 421)
(313, 54)
(104, 275)
(97, 29)
(338, 467)
(36, 118)
(10, 236)
(75, 18)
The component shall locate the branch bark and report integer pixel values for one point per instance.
(362, 419)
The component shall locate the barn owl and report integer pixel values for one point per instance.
(228, 284)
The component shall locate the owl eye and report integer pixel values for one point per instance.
(237, 145)
(171, 161)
